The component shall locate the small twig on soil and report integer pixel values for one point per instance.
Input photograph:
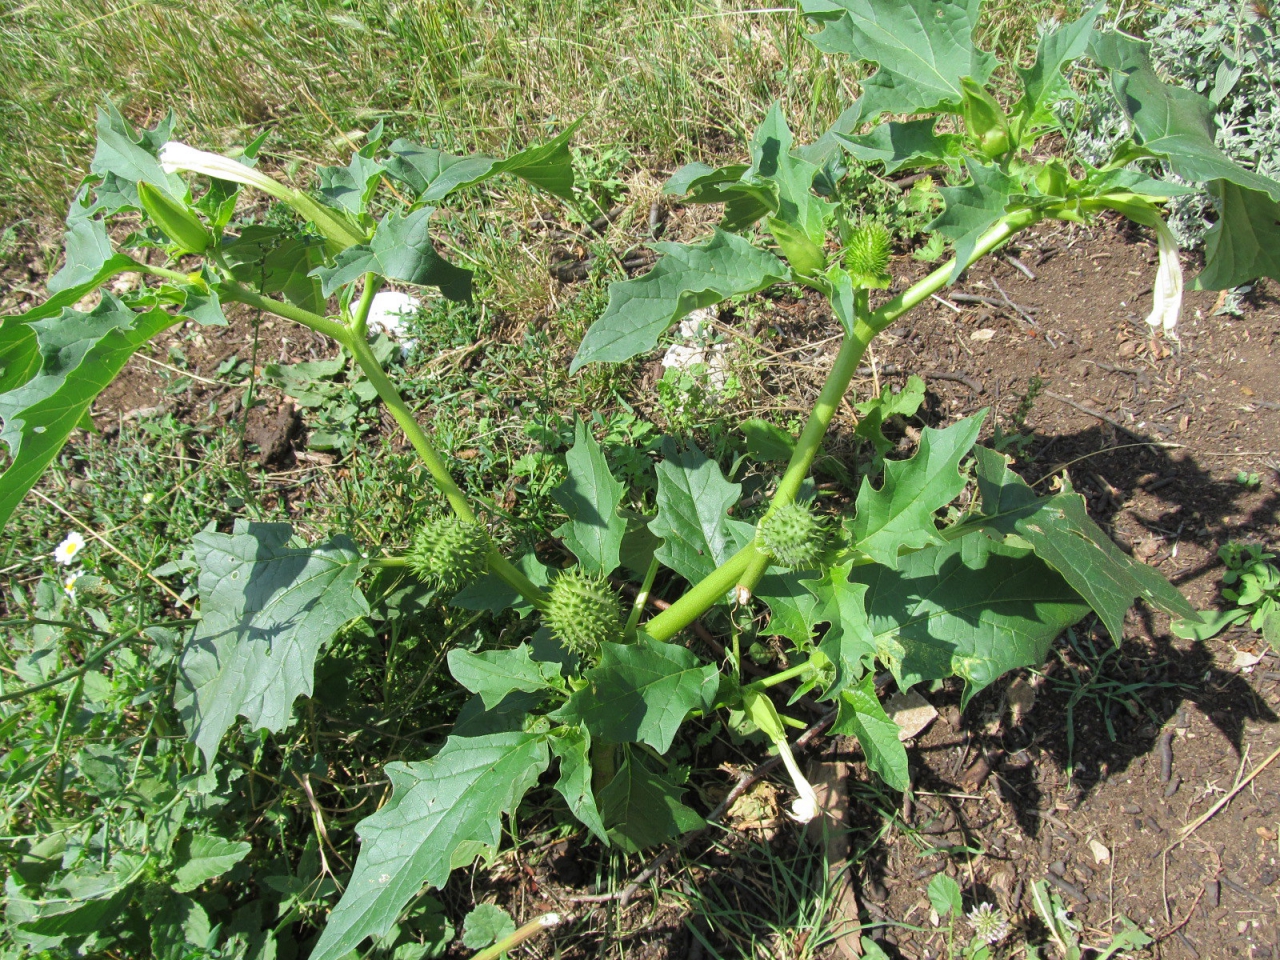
(1013, 306)
(968, 381)
(1014, 261)
(1223, 800)
(745, 783)
(1183, 922)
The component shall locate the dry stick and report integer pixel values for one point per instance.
(745, 783)
(1200, 821)
(110, 546)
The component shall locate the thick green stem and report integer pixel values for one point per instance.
(400, 411)
(510, 942)
(165, 274)
(360, 319)
(701, 596)
(749, 564)
(230, 290)
(764, 683)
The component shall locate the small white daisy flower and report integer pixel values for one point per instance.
(69, 585)
(66, 551)
(147, 498)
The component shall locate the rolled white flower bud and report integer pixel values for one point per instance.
(805, 807)
(1167, 292)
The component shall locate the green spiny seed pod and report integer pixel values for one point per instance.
(582, 612)
(178, 223)
(449, 553)
(866, 255)
(794, 537)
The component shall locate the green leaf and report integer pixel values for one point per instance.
(84, 902)
(79, 354)
(179, 928)
(877, 411)
(573, 747)
(1244, 244)
(642, 806)
(401, 249)
(435, 174)
(772, 160)
(494, 594)
(899, 145)
(204, 306)
(1172, 122)
(128, 156)
(272, 262)
(641, 691)
(1060, 532)
(351, 187)
(924, 48)
(1043, 83)
(89, 261)
(900, 513)
(486, 924)
(972, 209)
(693, 505)
(201, 857)
(591, 497)
(848, 642)
(686, 278)
(767, 443)
(1208, 624)
(495, 673)
(862, 716)
(793, 609)
(266, 609)
(442, 813)
(970, 607)
(944, 894)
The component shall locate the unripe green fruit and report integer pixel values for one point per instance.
(449, 553)
(866, 255)
(582, 612)
(178, 223)
(794, 537)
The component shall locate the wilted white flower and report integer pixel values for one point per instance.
(66, 551)
(989, 923)
(147, 498)
(1167, 292)
(805, 807)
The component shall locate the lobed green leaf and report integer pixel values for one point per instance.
(266, 609)
(591, 496)
(686, 278)
(442, 813)
(54, 368)
(693, 515)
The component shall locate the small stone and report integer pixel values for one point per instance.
(1131, 808)
(876, 891)
(1100, 853)
(1058, 867)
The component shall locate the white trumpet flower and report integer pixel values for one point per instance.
(805, 807)
(175, 156)
(1167, 293)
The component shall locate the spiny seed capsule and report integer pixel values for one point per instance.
(449, 553)
(794, 537)
(866, 255)
(582, 612)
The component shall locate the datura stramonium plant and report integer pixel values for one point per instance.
(838, 592)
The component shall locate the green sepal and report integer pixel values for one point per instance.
(178, 223)
(984, 120)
